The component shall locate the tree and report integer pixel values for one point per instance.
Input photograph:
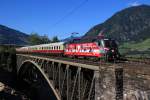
(35, 39)
(55, 39)
(45, 39)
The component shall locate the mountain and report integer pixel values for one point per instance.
(11, 36)
(129, 25)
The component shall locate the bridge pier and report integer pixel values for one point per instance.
(109, 83)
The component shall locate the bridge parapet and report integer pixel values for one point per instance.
(76, 81)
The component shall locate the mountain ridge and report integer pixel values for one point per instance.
(12, 36)
(130, 24)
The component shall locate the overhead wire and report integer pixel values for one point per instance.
(69, 13)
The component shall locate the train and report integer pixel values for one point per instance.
(101, 48)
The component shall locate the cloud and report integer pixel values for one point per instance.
(136, 3)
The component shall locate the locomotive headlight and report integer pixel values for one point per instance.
(112, 50)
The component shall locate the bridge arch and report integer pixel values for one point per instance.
(31, 66)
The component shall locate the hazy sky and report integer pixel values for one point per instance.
(59, 17)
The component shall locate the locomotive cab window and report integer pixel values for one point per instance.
(101, 43)
(110, 43)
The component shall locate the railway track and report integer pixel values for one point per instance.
(139, 60)
(127, 62)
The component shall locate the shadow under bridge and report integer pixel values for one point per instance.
(57, 79)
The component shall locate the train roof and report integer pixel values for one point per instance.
(49, 44)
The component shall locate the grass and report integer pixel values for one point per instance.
(136, 48)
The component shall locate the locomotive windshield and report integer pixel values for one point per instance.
(110, 43)
(107, 43)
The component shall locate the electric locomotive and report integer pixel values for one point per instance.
(101, 48)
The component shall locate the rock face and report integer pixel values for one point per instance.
(1, 86)
(11, 36)
(125, 82)
(136, 82)
(130, 24)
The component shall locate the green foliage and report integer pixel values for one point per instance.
(136, 48)
(12, 50)
(55, 39)
(2, 49)
(45, 39)
(9, 49)
(35, 39)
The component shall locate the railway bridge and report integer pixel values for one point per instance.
(72, 80)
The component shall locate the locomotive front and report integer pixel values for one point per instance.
(109, 49)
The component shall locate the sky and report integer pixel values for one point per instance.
(60, 17)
